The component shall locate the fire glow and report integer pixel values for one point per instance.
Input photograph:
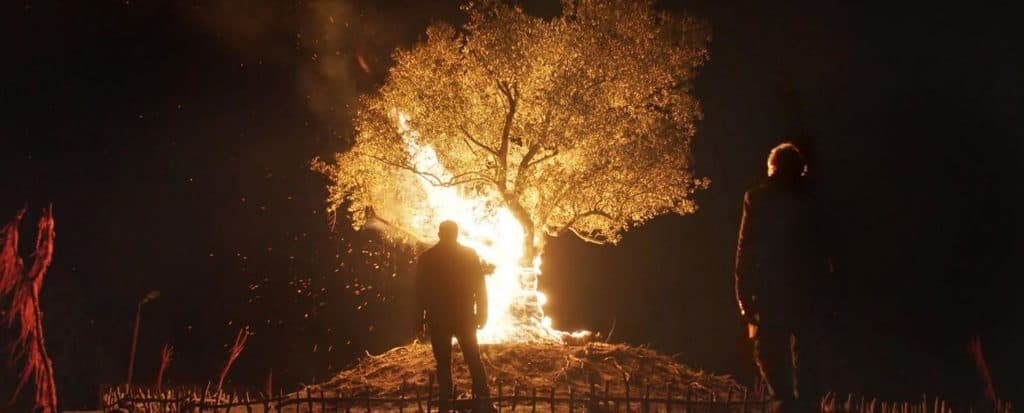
(515, 306)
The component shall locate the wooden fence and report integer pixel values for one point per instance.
(637, 397)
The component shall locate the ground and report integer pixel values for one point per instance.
(407, 371)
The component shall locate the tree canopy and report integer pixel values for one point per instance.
(578, 123)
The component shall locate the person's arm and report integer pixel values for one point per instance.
(480, 291)
(746, 262)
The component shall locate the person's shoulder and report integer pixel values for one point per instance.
(468, 251)
(756, 192)
(428, 253)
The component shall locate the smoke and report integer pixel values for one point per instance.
(338, 49)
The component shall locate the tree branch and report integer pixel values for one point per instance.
(478, 143)
(434, 179)
(506, 131)
(577, 217)
(553, 153)
(588, 238)
(429, 176)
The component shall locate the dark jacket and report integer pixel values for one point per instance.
(780, 259)
(450, 285)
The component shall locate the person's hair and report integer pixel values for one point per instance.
(786, 158)
(448, 230)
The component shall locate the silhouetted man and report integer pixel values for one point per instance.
(779, 268)
(451, 290)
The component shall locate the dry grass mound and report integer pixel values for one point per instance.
(540, 366)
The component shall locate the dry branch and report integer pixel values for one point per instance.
(236, 350)
(21, 288)
(165, 360)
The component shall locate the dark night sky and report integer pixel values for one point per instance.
(174, 140)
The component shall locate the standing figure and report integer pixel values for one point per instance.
(780, 266)
(451, 290)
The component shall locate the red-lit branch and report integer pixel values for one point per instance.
(22, 289)
(236, 350)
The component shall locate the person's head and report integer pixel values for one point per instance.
(786, 161)
(448, 231)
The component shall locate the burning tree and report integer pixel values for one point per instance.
(520, 127)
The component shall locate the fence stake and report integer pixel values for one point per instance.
(606, 401)
(401, 398)
(419, 403)
(571, 396)
(430, 391)
(647, 397)
(626, 382)
(591, 402)
(668, 397)
(552, 399)
(499, 395)
(515, 397)
(533, 401)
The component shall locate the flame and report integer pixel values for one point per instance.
(515, 306)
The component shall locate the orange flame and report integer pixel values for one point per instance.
(496, 236)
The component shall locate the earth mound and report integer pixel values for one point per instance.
(541, 366)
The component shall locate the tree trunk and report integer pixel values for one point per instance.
(529, 232)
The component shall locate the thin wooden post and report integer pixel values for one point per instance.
(533, 401)
(646, 405)
(606, 402)
(746, 399)
(419, 402)
(430, 391)
(572, 395)
(515, 396)
(499, 395)
(593, 400)
(668, 397)
(366, 400)
(551, 398)
(626, 382)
